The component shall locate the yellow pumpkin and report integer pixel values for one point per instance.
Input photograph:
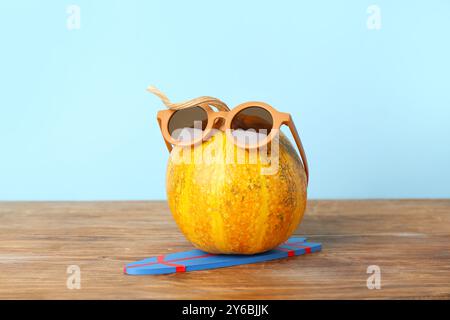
(232, 208)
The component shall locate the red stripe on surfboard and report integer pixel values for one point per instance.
(295, 245)
(290, 252)
(307, 249)
(165, 262)
(178, 267)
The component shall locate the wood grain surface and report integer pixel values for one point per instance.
(408, 239)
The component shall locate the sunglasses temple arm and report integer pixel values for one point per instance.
(169, 146)
(300, 147)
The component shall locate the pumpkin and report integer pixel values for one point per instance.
(232, 207)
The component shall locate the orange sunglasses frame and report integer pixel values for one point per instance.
(214, 117)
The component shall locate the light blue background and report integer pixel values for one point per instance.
(372, 107)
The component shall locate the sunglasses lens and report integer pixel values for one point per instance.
(251, 125)
(255, 118)
(188, 124)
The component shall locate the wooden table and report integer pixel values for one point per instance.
(408, 239)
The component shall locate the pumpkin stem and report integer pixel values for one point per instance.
(220, 105)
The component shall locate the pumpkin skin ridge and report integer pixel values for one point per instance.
(206, 200)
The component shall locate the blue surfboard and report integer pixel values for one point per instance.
(195, 260)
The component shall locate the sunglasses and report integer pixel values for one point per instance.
(200, 120)
(199, 115)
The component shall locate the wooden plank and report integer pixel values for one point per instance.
(408, 240)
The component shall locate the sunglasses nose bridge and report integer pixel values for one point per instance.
(218, 119)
